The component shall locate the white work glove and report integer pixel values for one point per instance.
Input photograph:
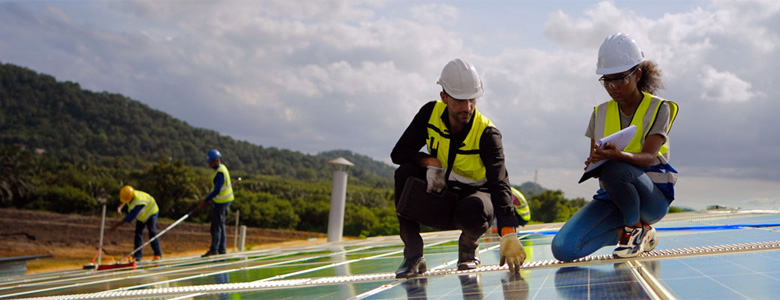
(435, 178)
(511, 252)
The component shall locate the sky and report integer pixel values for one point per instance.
(320, 75)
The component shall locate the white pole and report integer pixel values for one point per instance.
(243, 238)
(102, 227)
(337, 206)
(159, 234)
(338, 196)
(235, 239)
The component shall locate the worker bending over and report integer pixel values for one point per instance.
(141, 207)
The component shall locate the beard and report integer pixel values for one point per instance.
(462, 117)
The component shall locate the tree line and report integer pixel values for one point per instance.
(31, 180)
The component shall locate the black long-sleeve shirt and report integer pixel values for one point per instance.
(407, 150)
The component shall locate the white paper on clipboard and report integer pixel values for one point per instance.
(620, 139)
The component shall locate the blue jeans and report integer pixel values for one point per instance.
(150, 224)
(218, 233)
(633, 197)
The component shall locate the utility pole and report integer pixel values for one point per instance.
(535, 174)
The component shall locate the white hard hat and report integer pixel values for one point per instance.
(618, 53)
(460, 80)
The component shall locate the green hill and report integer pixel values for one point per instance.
(69, 150)
(80, 126)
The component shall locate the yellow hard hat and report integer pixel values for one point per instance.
(126, 194)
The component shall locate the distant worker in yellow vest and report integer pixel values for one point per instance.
(637, 182)
(221, 196)
(465, 158)
(522, 211)
(142, 208)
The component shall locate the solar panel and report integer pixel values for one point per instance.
(700, 255)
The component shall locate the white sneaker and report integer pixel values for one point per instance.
(632, 243)
(652, 240)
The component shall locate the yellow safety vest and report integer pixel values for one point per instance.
(468, 167)
(226, 191)
(521, 205)
(607, 121)
(141, 198)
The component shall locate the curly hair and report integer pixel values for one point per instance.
(651, 77)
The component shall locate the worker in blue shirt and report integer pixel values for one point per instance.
(221, 196)
(143, 208)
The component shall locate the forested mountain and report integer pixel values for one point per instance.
(80, 126)
(531, 189)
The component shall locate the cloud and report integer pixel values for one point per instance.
(723, 86)
(749, 23)
(351, 74)
(438, 13)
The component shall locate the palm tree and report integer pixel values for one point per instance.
(17, 169)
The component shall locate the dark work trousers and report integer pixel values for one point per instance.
(218, 233)
(151, 225)
(473, 216)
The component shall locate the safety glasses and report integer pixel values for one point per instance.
(615, 82)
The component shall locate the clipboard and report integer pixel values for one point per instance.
(620, 139)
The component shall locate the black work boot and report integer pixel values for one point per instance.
(467, 260)
(468, 264)
(411, 267)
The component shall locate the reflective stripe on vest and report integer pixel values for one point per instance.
(468, 167)
(150, 206)
(226, 191)
(521, 205)
(607, 121)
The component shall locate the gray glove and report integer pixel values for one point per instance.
(435, 178)
(511, 252)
